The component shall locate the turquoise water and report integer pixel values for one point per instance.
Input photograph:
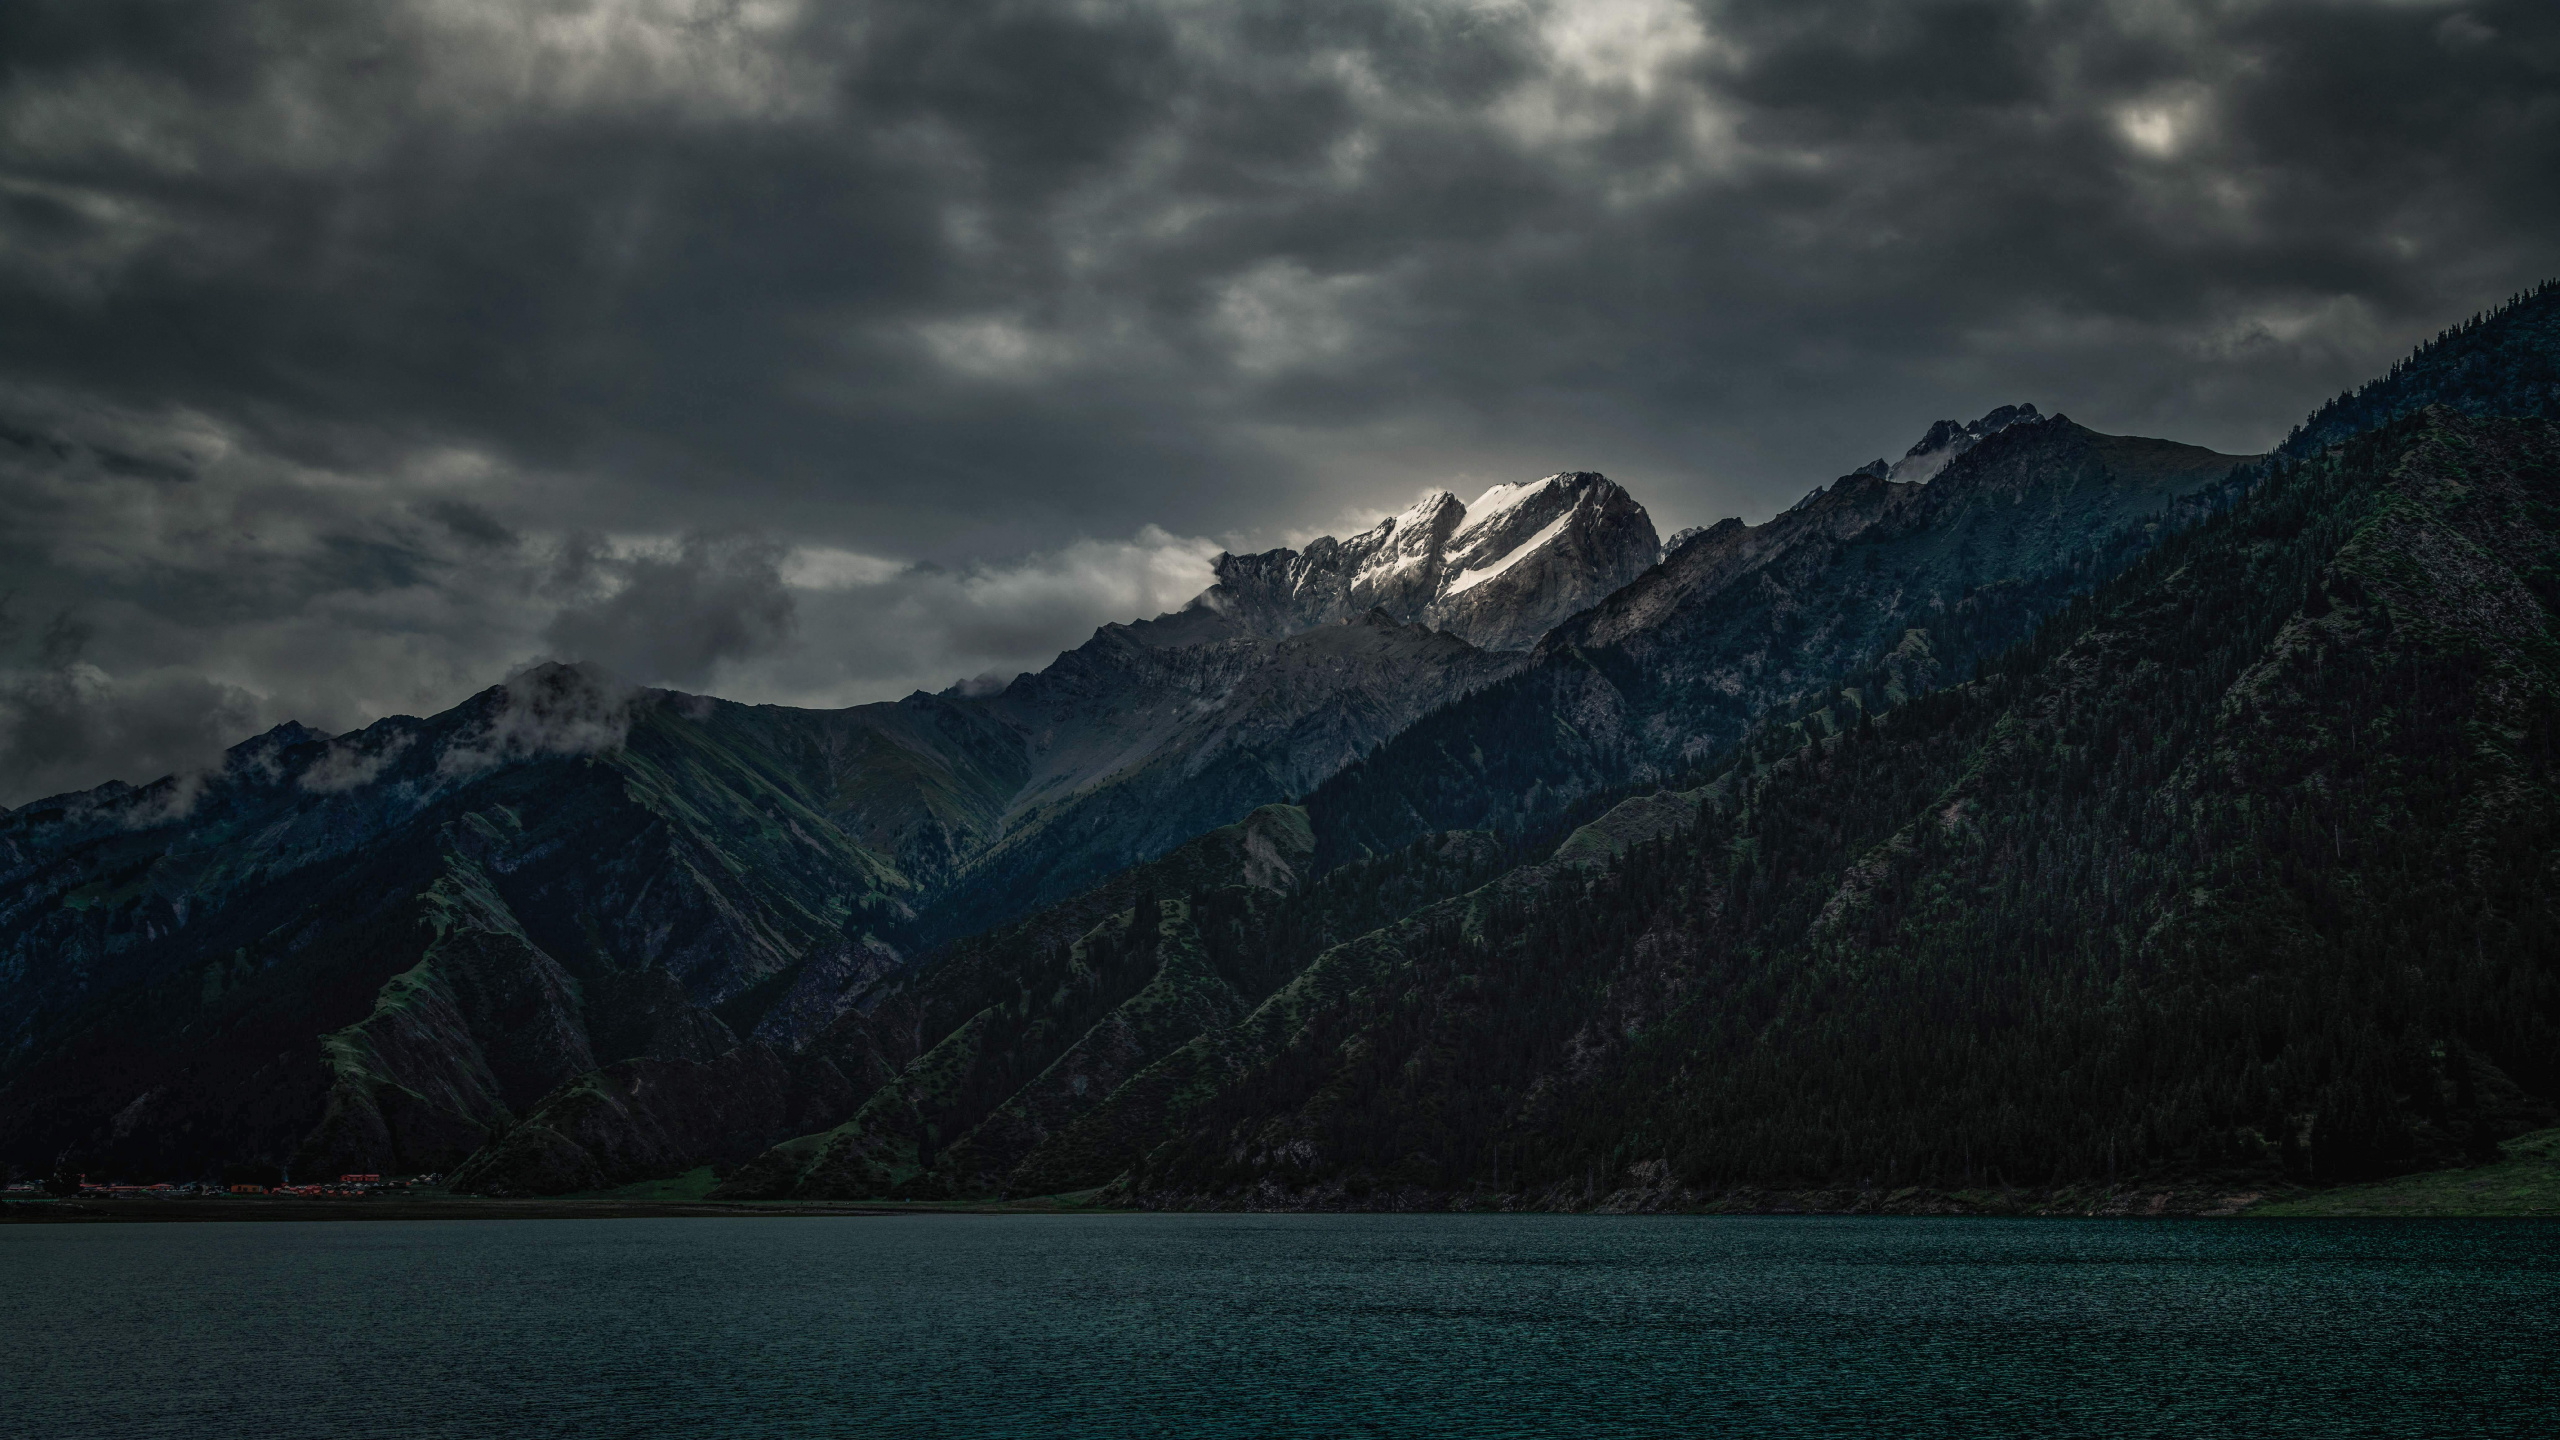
(1281, 1325)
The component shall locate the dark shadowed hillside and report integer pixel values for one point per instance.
(2074, 808)
(2229, 871)
(2243, 868)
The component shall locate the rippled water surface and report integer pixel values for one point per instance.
(1281, 1325)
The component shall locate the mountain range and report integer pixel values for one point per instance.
(1958, 825)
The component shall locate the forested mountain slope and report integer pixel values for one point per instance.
(1063, 1064)
(1961, 876)
(810, 1067)
(2504, 361)
(2246, 867)
(1046, 1046)
(1135, 748)
(379, 949)
(960, 1071)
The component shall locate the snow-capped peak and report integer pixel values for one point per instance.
(1499, 572)
(1402, 551)
(1529, 555)
(1421, 511)
(1423, 526)
(1501, 500)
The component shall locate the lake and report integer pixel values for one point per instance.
(1282, 1325)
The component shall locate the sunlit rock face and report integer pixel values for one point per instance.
(1497, 572)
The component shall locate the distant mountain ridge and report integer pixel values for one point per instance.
(1505, 765)
(1945, 441)
(572, 933)
(566, 872)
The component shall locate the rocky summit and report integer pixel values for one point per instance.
(1498, 573)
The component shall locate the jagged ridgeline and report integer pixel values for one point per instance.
(2073, 921)
(1670, 671)
(1825, 850)
(377, 951)
(380, 950)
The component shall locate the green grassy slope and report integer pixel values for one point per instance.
(2524, 1180)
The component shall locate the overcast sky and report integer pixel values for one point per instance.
(351, 356)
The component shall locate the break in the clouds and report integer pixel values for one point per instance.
(351, 356)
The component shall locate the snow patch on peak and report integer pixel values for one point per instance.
(1571, 537)
(1401, 527)
(1501, 500)
(1421, 511)
(1390, 553)
(1519, 552)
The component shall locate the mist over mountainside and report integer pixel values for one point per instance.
(588, 933)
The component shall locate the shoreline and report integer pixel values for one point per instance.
(2523, 1184)
(460, 1207)
(2301, 1205)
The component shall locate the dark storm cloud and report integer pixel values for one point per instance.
(324, 329)
(670, 619)
(64, 723)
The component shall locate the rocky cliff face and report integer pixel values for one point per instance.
(1498, 573)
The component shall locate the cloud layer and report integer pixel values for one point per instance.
(351, 356)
